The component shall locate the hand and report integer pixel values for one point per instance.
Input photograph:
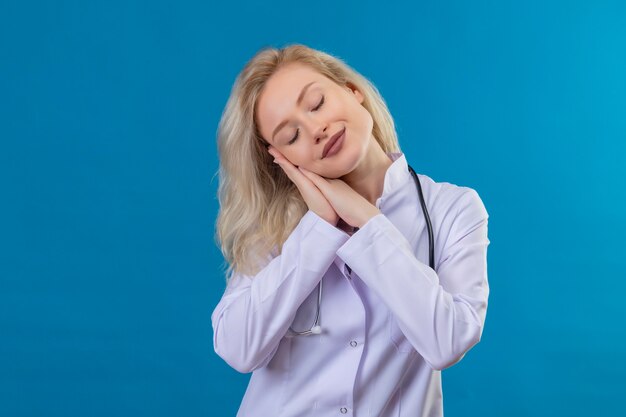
(312, 196)
(351, 206)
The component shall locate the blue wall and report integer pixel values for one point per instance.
(108, 269)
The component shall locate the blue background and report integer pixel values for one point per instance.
(108, 268)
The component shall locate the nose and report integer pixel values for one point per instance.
(320, 132)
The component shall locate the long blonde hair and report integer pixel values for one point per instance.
(259, 205)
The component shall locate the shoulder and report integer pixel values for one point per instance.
(447, 199)
(454, 210)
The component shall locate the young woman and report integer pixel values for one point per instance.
(352, 280)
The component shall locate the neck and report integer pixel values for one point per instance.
(368, 178)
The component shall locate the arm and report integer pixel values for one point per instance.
(255, 312)
(441, 313)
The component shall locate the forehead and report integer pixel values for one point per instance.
(278, 98)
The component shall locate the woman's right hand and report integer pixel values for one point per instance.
(312, 195)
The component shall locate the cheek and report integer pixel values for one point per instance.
(360, 117)
(295, 155)
(366, 119)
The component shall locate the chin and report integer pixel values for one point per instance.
(341, 166)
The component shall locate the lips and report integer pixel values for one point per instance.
(332, 141)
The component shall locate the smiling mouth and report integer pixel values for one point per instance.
(333, 141)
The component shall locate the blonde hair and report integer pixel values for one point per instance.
(259, 205)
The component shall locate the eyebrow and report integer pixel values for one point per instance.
(298, 101)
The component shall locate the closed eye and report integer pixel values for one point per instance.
(316, 108)
(319, 105)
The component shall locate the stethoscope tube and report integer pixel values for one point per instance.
(316, 329)
(431, 236)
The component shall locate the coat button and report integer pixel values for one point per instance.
(343, 410)
(353, 343)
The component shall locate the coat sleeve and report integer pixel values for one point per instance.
(255, 312)
(442, 312)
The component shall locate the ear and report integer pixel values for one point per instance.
(353, 90)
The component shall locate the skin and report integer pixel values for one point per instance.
(344, 186)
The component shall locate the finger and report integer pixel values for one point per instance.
(312, 174)
(319, 181)
(275, 152)
(294, 174)
(280, 158)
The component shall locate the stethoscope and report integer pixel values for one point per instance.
(316, 329)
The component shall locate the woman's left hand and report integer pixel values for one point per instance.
(351, 206)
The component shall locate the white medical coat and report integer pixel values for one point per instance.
(390, 323)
